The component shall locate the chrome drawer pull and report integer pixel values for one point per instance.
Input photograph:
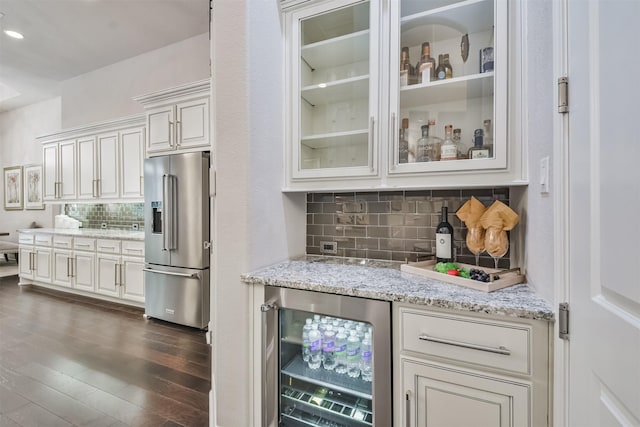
(499, 350)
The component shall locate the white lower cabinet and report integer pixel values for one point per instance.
(440, 395)
(465, 369)
(99, 266)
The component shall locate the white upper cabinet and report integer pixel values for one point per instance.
(104, 159)
(333, 81)
(178, 118)
(403, 94)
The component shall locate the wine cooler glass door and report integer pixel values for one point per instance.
(333, 360)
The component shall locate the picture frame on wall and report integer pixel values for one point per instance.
(33, 187)
(13, 188)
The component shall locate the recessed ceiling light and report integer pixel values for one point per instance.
(14, 34)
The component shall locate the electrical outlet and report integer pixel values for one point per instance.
(103, 225)
(134, 226)
(329, 247)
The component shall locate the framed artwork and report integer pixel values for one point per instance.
(33, 187)
(13, 188)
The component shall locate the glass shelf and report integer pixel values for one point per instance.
(454, 89)
(336, 91)
(298, 369)
(337, 51)
(336, 139)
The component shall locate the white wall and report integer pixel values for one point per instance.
(18, 131)
(255, 224)
(539, 80)
(106, 93)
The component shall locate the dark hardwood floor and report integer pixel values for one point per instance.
(68, 360)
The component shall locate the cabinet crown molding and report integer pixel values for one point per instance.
(200, 87)
(95, 128)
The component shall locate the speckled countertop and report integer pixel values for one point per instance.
(384, 281)
(88, 232)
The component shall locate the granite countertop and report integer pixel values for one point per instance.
(88, 232)
(384, 281)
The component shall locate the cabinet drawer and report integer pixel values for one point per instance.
(63, 242)
(132, 248)
(43, 239)
(109, 246)
(25, 239)
(84, 244)
(499, 345)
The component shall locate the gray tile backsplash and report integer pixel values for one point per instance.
(118, 216)
(392, 225)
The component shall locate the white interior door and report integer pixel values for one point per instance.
(604, 199)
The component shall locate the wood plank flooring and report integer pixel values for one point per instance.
(66, 360)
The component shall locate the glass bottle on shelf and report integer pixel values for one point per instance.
(407, 72)
(488, 136)
(423, 149)
(457, 139)
(426, 67)
(449, 150)
(479, 151)
(448, 71)
(403, 142)
(441, 71)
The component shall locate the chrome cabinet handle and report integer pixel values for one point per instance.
(121, 275)
(170, 273)
(407, 408)
(170, 132)
(394, 148)
(499, 350)
(372, 122)
(68, 269)
(178, 133)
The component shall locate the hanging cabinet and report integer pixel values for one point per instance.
(347, 101)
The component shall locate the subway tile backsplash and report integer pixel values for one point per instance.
(392, 225)
(118, 216)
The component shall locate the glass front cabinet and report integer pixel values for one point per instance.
(402, 93)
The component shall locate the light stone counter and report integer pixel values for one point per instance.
(384, 281)
(88, 232)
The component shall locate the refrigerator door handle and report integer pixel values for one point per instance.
(171, 273)
(164, 216)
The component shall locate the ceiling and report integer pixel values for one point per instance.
(67, 38)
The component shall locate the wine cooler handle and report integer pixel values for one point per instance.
(407, 408)
(498, 350)
(265, 309)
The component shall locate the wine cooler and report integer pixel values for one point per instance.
(326, 360)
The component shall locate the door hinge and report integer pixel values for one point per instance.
(268, 307)
(563, 95)
(563, 321)
(207, 245)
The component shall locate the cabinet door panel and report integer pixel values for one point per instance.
(86, 168)
(106, 276)
(193, 123)
(25, 262)
(160, 129)
(67, 170)
(50, 171)
(42, 266)
(84, 271)
(131, 160)
(133, 278)
(108, 178)
(62, 268)
(446, 396)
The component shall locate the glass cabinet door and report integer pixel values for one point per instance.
(333, 80)
(448, 86)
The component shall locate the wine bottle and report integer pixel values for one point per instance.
(444, 239)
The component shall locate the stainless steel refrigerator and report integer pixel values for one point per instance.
(177, 240)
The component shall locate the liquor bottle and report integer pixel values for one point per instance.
(478, 151)
(407, 72)
(426, 67)
(449, 150)
(444, 239)
(457, 139)
(447, 67)
(403, 142)
(423, 149)
(441, 71)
